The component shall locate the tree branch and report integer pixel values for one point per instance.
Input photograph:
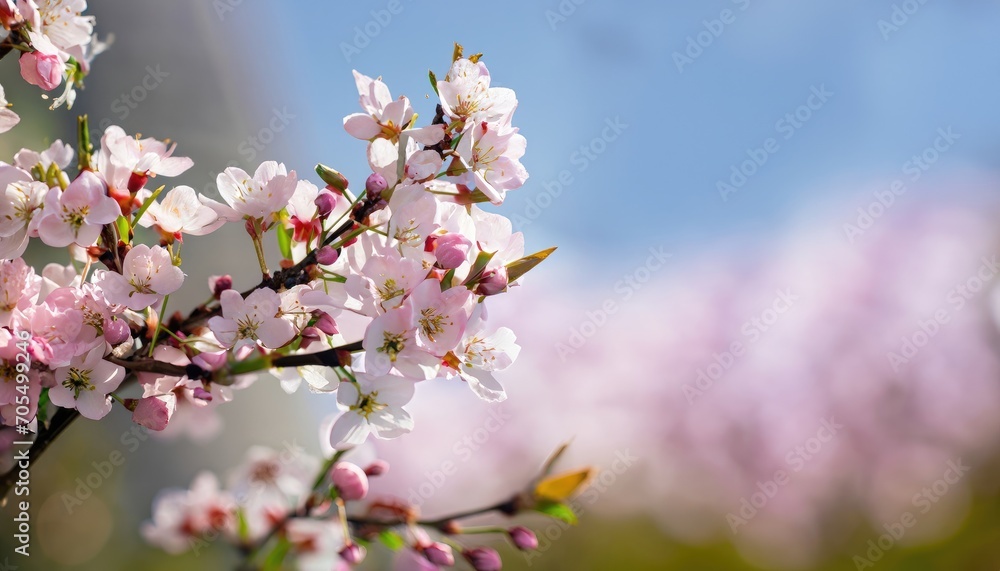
(288, 277)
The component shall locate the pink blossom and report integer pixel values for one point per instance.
(371, 405)
(466, 94)
(180, 212)
(493, 160)
(246, 322)
(77, 214)
(258, 196)
(391, 343)
(8, 119)
(147, 275)
(86, 383)
(58, 153)
(441, 316)
(144, 157)
(179, 516)
(20, 209)
(19, 286)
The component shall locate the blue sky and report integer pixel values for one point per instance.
(892, 88)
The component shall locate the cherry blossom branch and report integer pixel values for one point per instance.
(161, 367)
(291, 276)
(444, 524)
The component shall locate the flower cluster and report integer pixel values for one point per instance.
(57, 45)
(375, 292)
(318, 531)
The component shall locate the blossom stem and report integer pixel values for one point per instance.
(295, 273)
(159, 325)
(259, 249)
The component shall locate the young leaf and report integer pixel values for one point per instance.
(284, 240)
(434, 81)
(518, 268)
(123, 228)
(557, 510)
(145, 205)
(478, 267)
(391, 539)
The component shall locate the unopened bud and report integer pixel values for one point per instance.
(327, 255)
(375, 184)
(452, 250)
(352, 553)
(483, 559)
(350, 480)
(325, 203)
(523, 538)
(219, 284)
(326, 324)
(151, 412)
(493, 281)
(116, 331)
(332, 177)
(439, 554)
(136, 181)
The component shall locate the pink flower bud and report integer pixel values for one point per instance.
(350, 480)
(375, 184)
(116, 331)
(219, 284)
(439, 554)
(483, 559)
(352, 553)
(326, 324)
(151, 412)
(523, 538)
(493, 281)
(327, 255)
(452, 250)
(43, 70)
(377, 468)
(325, 203)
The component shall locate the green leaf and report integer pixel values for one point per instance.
(43, 407)
(284, 240)
(482, 260)
(391, 539)
(242, 528)
(123, 227)
(145, 205)
(518, 268)
(434, 81)
(277, 555)
(557, 510)
(448, 278)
